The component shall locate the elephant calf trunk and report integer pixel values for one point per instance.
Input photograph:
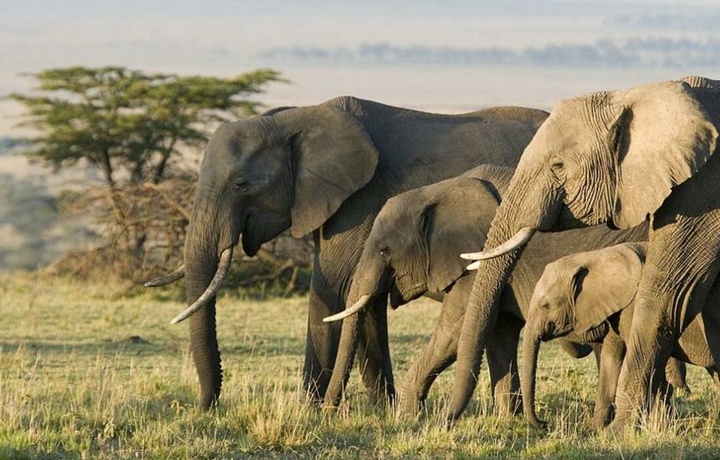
(531, 348)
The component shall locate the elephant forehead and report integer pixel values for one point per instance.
(557, 275)
(244, 136)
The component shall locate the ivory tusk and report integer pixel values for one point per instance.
(359, 305)
(519, 239)
(211, 290)
(167, 279)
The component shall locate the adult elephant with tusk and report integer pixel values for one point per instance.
(325, 169)
(622, 157)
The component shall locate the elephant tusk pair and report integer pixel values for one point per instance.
(519, 239)
(167, 279)
(359, 305)
(211, 290)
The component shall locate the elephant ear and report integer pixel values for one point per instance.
(457, 221)
(604, 285)
(663, 136)
(332, 156)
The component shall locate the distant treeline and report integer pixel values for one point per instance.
(605, 53)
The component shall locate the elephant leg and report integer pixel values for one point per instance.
(610, 362)
(502, 363)
(438, 355)
(321, 344)
(676, 279)
(374, 354)
(711, 322)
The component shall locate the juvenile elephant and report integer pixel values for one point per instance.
(412, 250)
(325, 169)
(618, 157)
(588, 297)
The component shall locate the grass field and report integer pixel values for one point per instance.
(96, 371)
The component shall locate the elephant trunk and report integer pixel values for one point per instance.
(202, 247)
(369, 281)
(531, 348)
(203, 335)
(490, 281)
(344, 360)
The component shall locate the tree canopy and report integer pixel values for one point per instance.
(128, 122)
(134, 127)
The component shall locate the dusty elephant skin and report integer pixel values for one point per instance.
(412, 250)
(588, 297)
(325, 169)
(621, 157)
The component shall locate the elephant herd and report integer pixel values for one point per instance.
(599, 225)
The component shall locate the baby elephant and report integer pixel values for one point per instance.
(588, 297)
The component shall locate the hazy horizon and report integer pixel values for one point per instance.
(444, 56)
(224, 37)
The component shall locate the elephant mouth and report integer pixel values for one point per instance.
(551, 332)
(401, 297)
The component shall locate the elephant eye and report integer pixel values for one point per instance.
(385, 253)
(544, 305)
(557, 166)
(241, 185)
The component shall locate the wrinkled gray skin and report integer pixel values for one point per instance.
(326, 169)
(616, 157)
(588, 297)
(412, 250)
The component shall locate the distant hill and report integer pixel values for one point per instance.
(632, 53)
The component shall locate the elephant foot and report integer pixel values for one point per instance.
(410, 403)
(507, 405)
(329, 409)
(620, 424)
(603, 417)
(409, 408)
(537, 423)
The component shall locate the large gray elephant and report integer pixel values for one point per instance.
(621, 157)
(325, 169)
(412, 250)
(587, 297)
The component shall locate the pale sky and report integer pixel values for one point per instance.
(224, 37)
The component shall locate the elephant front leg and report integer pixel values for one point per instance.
(438, 355)
(322, 341)
(648, 349)
(610, 362)
(374, 354)
(680, 268)
(502, 364)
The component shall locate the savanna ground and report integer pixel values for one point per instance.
(90, 370)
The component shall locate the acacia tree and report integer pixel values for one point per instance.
(135, 128)
(128, 121)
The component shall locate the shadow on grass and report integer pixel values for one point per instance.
(267, 346)
(133, 345)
